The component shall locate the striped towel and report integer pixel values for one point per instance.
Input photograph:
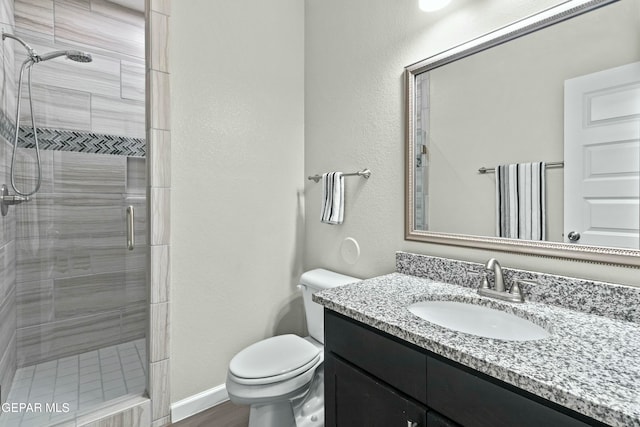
(332, 198)
(520, 201)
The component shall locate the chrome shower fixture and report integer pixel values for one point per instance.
(74, 55)
(22, 42)
(32, 59)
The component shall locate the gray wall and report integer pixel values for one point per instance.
(356, 52)
(237, 176)
(241, 225)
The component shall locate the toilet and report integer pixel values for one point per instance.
(282, 377)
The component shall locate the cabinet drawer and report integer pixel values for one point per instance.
(399, 365)
(473, 401)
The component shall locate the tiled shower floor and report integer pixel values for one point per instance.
(82, 382)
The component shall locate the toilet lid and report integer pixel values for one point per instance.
(274, 359)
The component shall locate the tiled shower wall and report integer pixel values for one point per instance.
(77, 286)
(7, 223)
(105, 96)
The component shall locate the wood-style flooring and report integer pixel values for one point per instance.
(224, 415)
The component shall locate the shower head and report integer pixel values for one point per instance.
(74, 55)
(78, 56)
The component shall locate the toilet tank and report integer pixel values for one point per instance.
(312, 282)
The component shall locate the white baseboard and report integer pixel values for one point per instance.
(198, 403)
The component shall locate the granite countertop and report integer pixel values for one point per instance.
(589, 363)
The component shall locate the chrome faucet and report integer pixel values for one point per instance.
(494, 265)
(499, 291)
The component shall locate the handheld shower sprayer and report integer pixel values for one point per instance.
(74, 55)
(32, 59)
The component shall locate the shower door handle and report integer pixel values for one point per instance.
(131, 239)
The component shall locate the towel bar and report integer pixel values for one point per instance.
(365, 173)
(549, 165)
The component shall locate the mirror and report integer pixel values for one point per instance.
(560, 87)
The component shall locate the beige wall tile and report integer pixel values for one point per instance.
(7, 14)
(97, 293)
(160, 274)
(160, 100)
(88, 173)
(116, 116)
(116, 11)
(7, 320)
(55, 340)
(159, 42)
(57, 108)
(160, 216)
(135, 318)
(7, 367)
(160, 158)
(35, 16)
(132, 80)
(159, 333)
(159, 389)
(80, 26)
(162, 6)
(34, 303)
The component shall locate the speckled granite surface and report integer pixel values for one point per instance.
(604, 299)
(589, 363)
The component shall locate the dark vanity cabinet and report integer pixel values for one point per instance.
(373, 379)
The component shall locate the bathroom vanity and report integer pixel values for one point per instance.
(384, 366)
(374, 379)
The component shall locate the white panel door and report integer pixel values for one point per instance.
(602, 158)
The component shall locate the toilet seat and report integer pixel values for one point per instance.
(274, 360)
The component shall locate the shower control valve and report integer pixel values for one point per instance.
(7, 200)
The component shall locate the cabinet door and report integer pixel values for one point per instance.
(436, 420)
(354, 399)
(472, 401)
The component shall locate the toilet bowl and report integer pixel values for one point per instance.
(282, 377)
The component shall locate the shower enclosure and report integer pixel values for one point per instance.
(73, 294)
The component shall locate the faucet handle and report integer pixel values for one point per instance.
(516, 290)
(485, 283)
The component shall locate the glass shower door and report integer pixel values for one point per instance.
(74, 282)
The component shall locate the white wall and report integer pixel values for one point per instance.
(237, 168)
(356, 52)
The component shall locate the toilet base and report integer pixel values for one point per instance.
(309, 408)
(278, 414)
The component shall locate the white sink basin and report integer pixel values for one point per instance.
(478, 320)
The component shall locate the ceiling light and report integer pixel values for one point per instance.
(432, 5)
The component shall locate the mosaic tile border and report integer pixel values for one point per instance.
(82, 142)
(71, 140)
